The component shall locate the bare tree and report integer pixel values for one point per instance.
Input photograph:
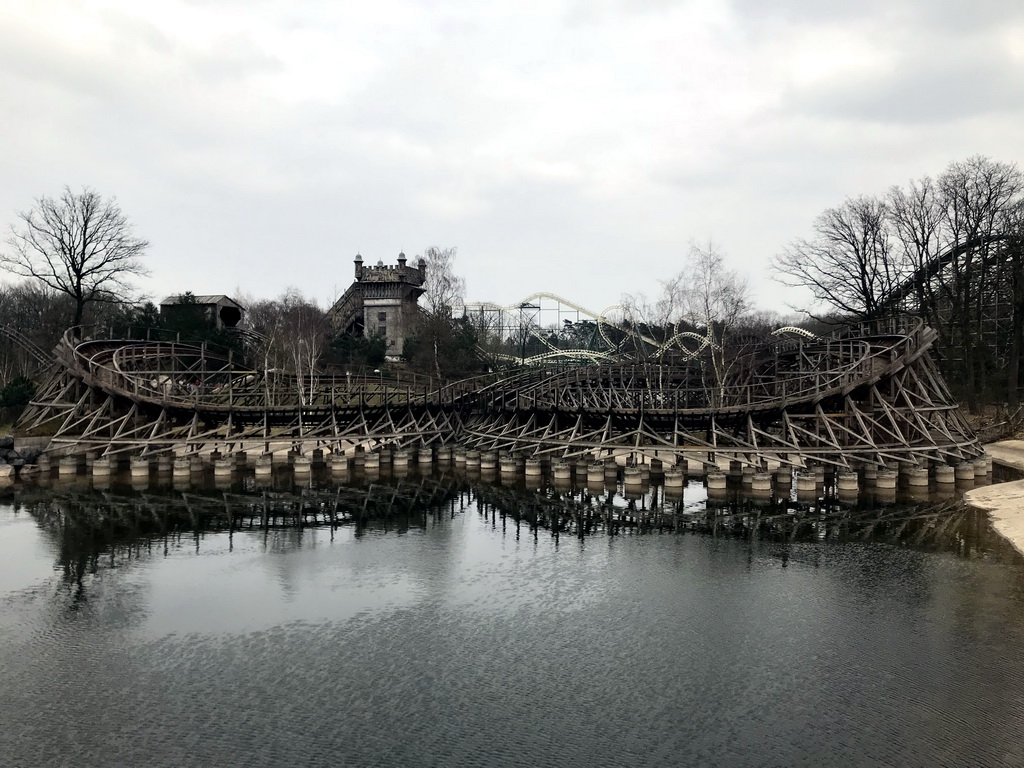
(978, 196)
(717, 298)
(915, 214)
(295, 334)
(78, 244)
(849, 264)
(438, 338)
(444, 289)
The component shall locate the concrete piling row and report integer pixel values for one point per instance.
(759, 477)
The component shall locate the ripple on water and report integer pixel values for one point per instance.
(464, 646)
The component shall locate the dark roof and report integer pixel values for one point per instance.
(205, 300)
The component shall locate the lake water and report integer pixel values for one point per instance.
(154, 629)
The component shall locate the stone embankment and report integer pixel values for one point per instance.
(1004, 502)
(13, 459)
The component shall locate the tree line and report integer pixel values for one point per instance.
(947, 249)
(77, 255)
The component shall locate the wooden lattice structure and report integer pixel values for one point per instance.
(866, 395)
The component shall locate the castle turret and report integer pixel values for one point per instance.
(381, 302)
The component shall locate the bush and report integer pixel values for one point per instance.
(18, 393)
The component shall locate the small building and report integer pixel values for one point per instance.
(381, 302)
(219, 311)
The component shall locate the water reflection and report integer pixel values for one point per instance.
(110, 522)
(445, 620)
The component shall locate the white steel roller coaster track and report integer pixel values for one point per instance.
(602, 320)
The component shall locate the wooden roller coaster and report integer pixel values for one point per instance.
(864, 395)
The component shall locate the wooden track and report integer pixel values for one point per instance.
(864, 395)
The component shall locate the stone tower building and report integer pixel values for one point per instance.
(381, 302)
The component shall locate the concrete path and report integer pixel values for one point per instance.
(1004, 502)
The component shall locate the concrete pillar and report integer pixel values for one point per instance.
(611, 471)
(847, 482)
(488, 461)
(761, 482)
(224, 467)
(982, 467)
(595, 474)
(806, 482)
(338, 463)
(303, 465)
(139, 467)
(917, 477)
(945, 475)
(444, 454)
(717, 481)
(104, 466)
(886, 480)
(459, 456)
(507, 465)
(426, 457)
(371, 462)
(182, 467)
(964, 472)
(561, 470)
(784, 477)
(68, 465)
(400, 459)
(533, 468)
(265, 465)
(632, 476)
(164, 463)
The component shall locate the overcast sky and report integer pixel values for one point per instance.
(576, 147)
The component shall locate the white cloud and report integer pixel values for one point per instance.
(573, 146)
